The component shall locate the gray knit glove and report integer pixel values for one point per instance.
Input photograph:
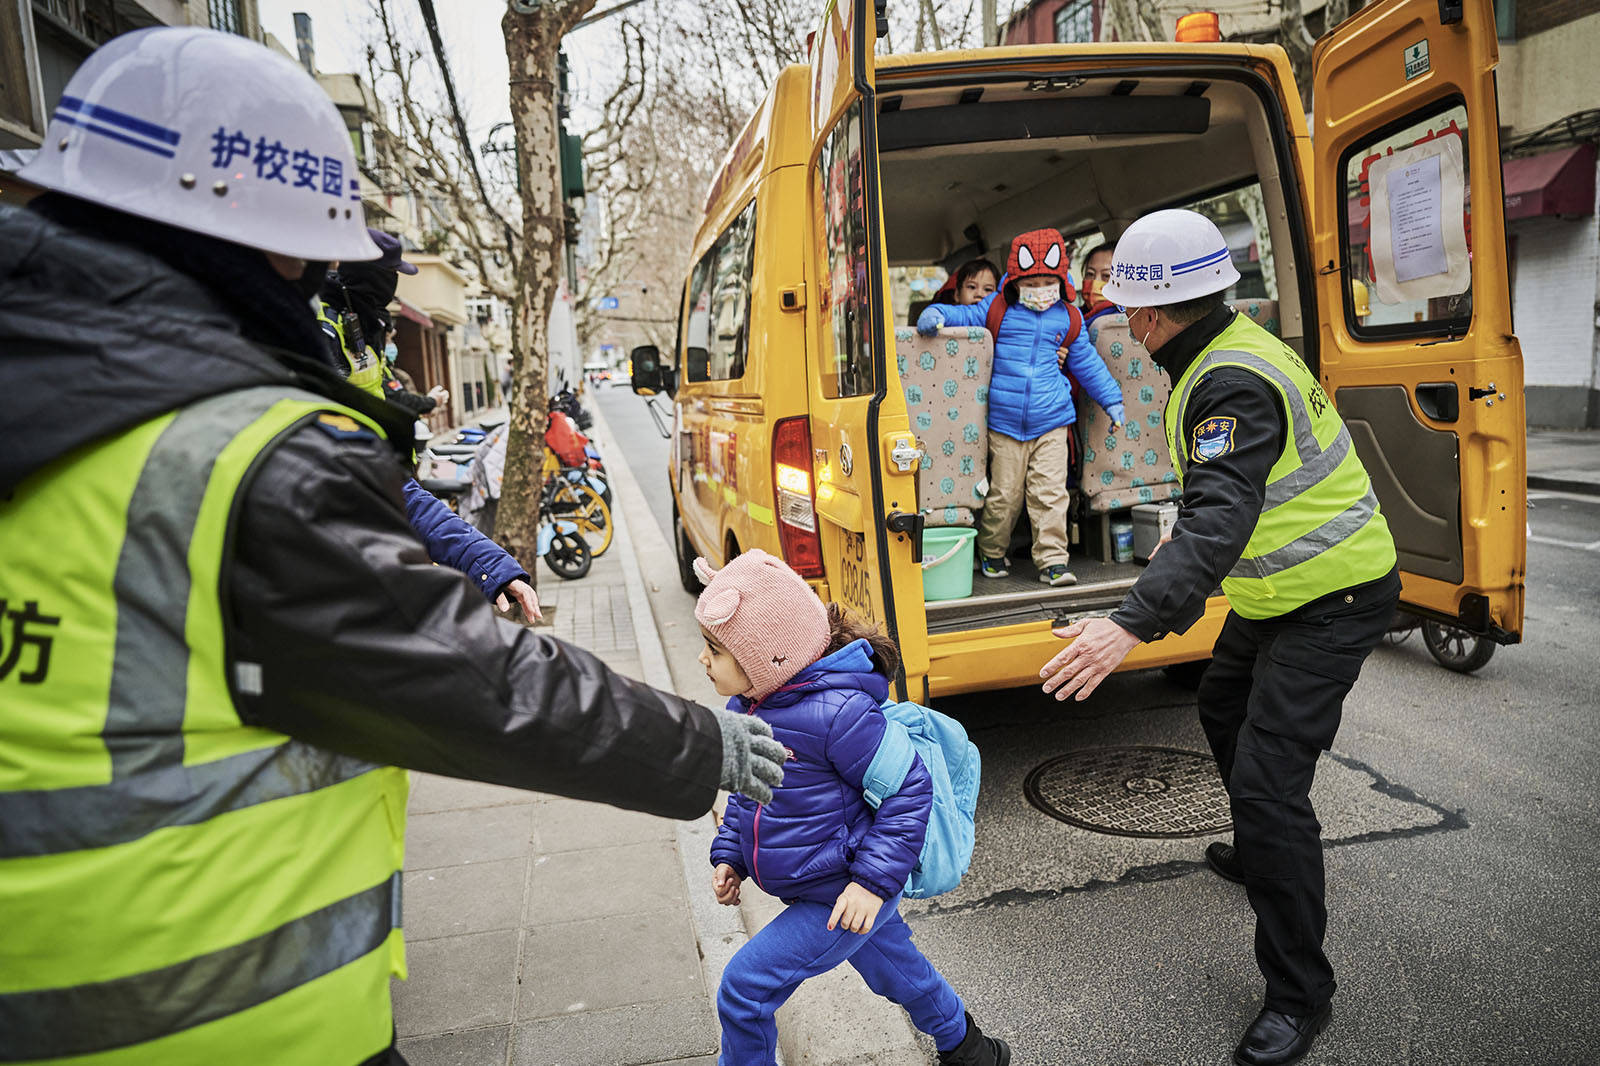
(752, 762)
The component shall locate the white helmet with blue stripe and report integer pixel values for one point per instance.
(213, 133)
(1168, 257)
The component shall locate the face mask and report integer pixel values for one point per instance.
(1093, 289)
(390, 352)
(310, 282)
(1039, 297)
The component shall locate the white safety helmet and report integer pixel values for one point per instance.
(209, 132)
(1168, 257)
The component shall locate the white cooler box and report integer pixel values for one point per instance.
(1151, 522)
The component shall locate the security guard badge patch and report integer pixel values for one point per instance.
(1213, 438)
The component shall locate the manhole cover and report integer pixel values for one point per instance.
(1133, 792)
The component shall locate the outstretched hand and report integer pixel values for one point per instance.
(526, 598)
(1098, 646)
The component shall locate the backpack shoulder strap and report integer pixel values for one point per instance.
(997, 311)
(1077, 323)
(888, 769)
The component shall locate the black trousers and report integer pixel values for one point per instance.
(1270, 703)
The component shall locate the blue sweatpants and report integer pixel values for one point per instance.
(797, 944)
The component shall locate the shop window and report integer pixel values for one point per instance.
(1074, 22)
(1408, 227)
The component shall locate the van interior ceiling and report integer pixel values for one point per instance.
(964, 168)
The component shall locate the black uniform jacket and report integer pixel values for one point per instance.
(1222, 496)
(365, 647)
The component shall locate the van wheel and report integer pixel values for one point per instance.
(1456, 649)
(685, 551)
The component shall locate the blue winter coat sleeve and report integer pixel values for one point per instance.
(453, 542)
(962, 314)
(727, 847)
(888, 853)
(1086, 365)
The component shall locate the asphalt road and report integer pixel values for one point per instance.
(1463, 851)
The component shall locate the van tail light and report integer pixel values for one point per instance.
(1198, 26)
(792, 492)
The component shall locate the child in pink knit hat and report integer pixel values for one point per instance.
(818, 677)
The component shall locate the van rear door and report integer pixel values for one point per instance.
(1416, 335)
(864, 457)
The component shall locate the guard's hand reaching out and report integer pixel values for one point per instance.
(1098, 645)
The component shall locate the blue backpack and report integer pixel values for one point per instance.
(952, 762)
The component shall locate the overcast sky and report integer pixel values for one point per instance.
(472, 39)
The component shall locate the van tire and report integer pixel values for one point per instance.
(685, 552)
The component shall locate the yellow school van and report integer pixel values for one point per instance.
(811, 421)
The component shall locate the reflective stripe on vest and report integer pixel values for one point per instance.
(164, 868)
(1320, 528)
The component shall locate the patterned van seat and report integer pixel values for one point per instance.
(1131, 466)
(946, 382)
(1263, 313)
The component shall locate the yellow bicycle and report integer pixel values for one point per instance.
(575, 498)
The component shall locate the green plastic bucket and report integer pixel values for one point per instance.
(947, 562)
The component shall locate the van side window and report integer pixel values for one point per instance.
(717, 332)
(1408, 227)
(846, 357)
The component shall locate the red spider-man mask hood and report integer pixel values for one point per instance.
(1039, 253)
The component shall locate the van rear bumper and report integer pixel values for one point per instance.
(1011, 656)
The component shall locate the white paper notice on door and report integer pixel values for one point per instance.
(1419, 236)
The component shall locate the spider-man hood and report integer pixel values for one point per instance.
(1035, 253)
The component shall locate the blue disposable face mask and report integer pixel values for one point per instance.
(390, 352)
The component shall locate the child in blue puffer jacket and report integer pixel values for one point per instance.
(1035, 327)
(818, 678)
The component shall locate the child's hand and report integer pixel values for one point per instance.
(1061, 358)
(725, 883)
(856, 909)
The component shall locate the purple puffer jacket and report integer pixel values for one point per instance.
(818, 834)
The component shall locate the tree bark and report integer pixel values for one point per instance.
(533, 40)
(1292, 35)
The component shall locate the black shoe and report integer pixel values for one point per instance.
(1224, 859)
(1276, 1039)
(976, 1049)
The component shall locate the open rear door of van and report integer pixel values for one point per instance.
(864, 457)
(1414, 300)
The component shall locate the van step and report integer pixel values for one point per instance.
(1021, 598)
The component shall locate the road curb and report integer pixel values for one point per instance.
(811, 1028)
(1562, 484)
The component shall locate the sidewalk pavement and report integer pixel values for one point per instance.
(1567, 460)
(547, 931)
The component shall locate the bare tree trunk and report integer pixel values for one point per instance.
(1295, 39)
(533, 40)
(1120, 14)
(926, 12)
(991, 29)
(1336, 12)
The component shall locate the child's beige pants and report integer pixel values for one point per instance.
(1035, 469)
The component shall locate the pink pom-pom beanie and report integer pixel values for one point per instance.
(767, 617)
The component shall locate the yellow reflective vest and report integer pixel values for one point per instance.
(366, 367)
(176, 887)
(1320, 529)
